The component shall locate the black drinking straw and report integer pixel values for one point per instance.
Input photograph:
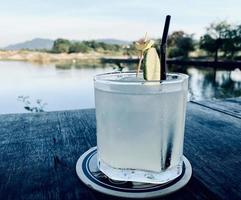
(163, 49)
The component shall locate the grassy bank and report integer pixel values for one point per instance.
(44, 57)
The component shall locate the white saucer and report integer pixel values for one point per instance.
(90, 175)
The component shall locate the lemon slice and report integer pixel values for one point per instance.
(151, 65)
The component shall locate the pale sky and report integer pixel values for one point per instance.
(22, 20)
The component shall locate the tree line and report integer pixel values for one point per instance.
(220, 39)
(67, 46)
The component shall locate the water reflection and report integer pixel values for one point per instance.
(63, 66)
(205, 82)
(236, 75)
(70, 85)
(209, 83)
(83, 65)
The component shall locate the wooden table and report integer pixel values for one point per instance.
(38, 153)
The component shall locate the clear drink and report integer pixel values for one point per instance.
(140, 126)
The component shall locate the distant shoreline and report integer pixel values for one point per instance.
(45, 57)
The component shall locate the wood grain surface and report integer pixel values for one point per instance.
(38, 153)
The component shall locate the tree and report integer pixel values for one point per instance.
(172, 39)
(61, 46)
(180, 44)
(208, 44)
(218, 30)
(66, 46)
(232, 42)
(221, 37)
(77, 47)
(92, 44)
(213, 40)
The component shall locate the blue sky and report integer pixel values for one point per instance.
(22, 20)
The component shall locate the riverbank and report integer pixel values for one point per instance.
(45, 57)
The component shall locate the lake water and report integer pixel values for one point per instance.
(65, 87)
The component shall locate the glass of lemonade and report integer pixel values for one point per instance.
(140, 126)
